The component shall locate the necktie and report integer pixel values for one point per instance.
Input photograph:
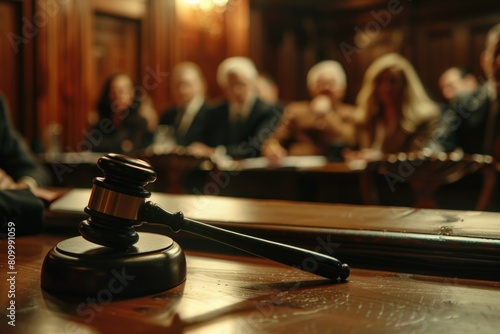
(237, 127)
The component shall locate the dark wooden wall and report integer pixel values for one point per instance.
(17, 65)
(434, 35)
(56, 75)
(68, 47)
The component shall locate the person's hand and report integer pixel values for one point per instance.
(199, 149)
(321, 104)
(274, 152)
(7, 182)
(359, 159)
(127, 145)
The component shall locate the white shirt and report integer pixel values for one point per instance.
(241, 111)
(190, 113)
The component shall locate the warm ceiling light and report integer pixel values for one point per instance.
(207, 5)
(209, 13)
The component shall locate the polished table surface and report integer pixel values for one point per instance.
(412, 271)
(235, 294)
(443, 242)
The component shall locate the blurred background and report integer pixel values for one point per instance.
(56, 54)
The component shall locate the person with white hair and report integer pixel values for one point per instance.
(243, 121)
(188, 116)
(317, 126)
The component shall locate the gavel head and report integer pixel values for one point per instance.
(115, 202)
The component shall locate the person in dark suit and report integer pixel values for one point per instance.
(241, 123)
(20, 178)
(18, 165)
(472, 124)
(187, 118)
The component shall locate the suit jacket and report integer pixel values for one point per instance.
(16, 159)
(466, 123)
(22, 208)
(171, 116)
(134, 127)
(247, 139)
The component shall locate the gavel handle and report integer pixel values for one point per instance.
(313, 262)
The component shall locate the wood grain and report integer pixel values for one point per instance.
(233, 294)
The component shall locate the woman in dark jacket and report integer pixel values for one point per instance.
(126, 118)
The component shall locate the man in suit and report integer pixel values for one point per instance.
(188, 116)
(20, 177)
(472, 124)
(456, 81)
(18, 165)
(240, 124)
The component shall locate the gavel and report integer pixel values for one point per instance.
(118, 205)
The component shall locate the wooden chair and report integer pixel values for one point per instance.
(426, 174)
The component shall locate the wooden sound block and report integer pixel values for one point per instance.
(79, 268)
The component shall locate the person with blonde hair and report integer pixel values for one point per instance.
(395, 114)
(314, 127)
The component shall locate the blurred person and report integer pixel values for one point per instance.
(19, 167)
(313, 127)
(125, 117)
(456, 84)
(456, 81)
(472, 124)
(490, 61)
(243, 121)
(21, 177)
(395, 114)
(188, 115)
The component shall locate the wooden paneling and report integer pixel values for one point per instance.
(199, 40)
(87, 40)
(433, 35)
(135, 9)
(160, 49)
(79, 42)
(442, 56)
(10, 51)
(116, 47)
(64, 74)
(18, 29)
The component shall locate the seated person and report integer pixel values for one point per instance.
(456, 81)
(473, 122)
(243, 121)
(188, 115)
(312, 127)
(395, 114)
(456, 85)
(20, 178)
(125, 117)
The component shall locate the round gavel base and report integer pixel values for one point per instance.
(79, 268)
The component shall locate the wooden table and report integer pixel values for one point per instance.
(451, 243)
(412, 271)
(235, 294)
